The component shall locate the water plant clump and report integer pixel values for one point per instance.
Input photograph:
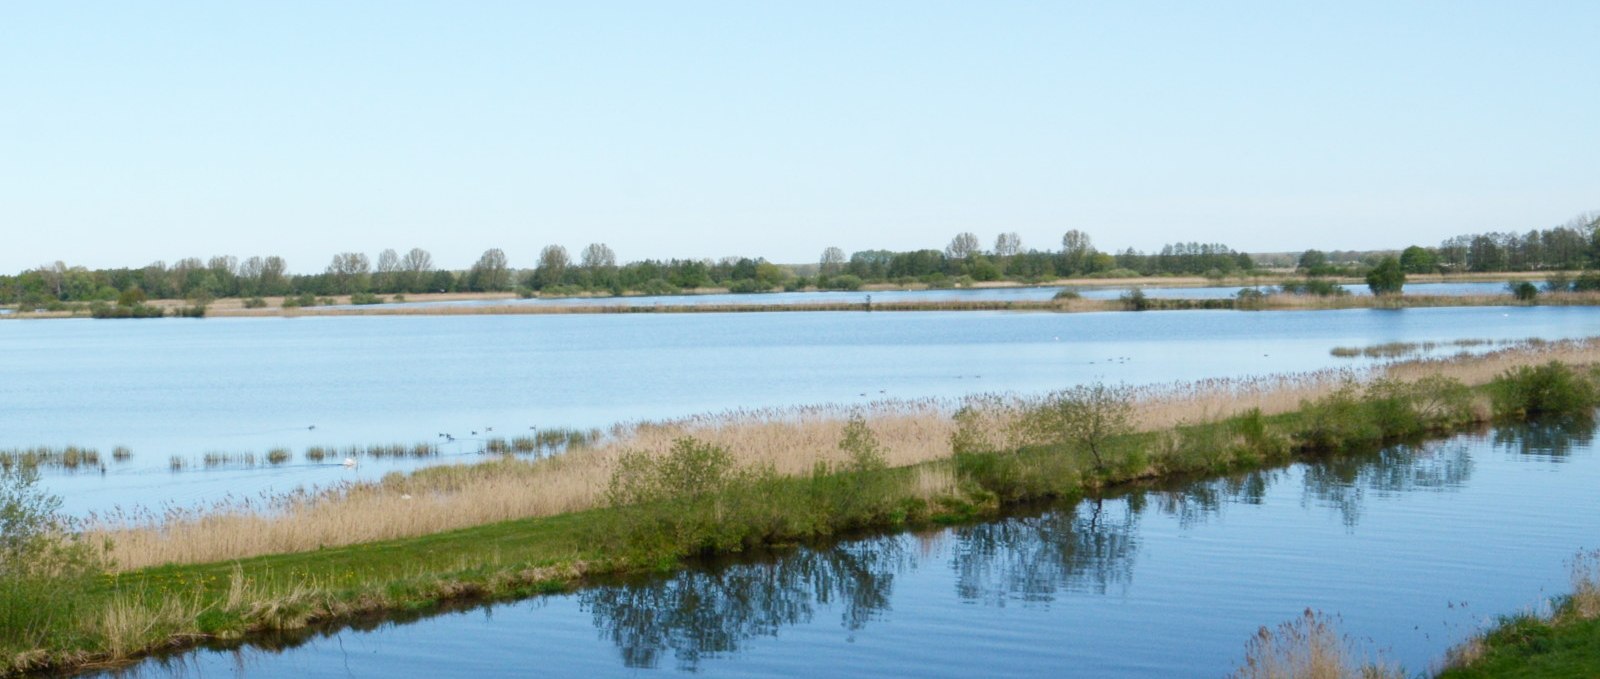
(69, 458)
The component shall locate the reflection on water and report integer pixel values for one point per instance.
(1552, 438)
(1213, 558)
(1033, 558)
(701, 613)
(1344, 482)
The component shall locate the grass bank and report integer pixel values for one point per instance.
(1563, 641)
(706, 485)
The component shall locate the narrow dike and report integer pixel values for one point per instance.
(695, 501)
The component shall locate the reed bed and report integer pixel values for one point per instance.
(789, 441)
(1409, 349)
(69, 458)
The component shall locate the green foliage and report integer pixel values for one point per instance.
(1418, 260)
(1066, 293)
(1387, 278)
(1250, 298)
(103, 310)
(364, 298)
(45, 570)
(1550, 389)
(255, 303)
(840, 282)
(1523, 291)
(1313, 286)
(1135, 300)
(1085, 416)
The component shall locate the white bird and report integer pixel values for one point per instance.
(349, 462)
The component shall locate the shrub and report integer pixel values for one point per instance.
(843, 282)
(1550, 389)
(1523, 291)
(1086, 416)
(1135, 300)
(1250, 298)
(1313, 286)
(255, 303)
(1066, 293)
(1387, 278)
(365, 298)
(45, 568)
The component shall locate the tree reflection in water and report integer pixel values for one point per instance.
(1553, 438)
(706, 612)
(1343, 483)
(1089, 547)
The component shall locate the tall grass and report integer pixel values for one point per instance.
(1308, 647)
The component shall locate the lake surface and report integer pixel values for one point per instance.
(1110, 290)
(185, 387)
(1413, 547)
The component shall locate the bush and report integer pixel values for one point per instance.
(1550, 389)
(1313, 286)
(45, 569)
(1588, 281)
(1086, 416)
(255, 303)
(843, 282)
(303, 299)
(1066, 293)
(1250, 298)
(103, 310)
(1135, 300)
(365, 298)
(1523, 291)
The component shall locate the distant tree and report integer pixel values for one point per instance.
(388, 276)
(1008, 244)
(1418, 259)
(1387, 278)
(416, 269)
(1312, 260)
(553, 263)
(1524, 291)
(832, 262)
(274, 276)
(1077, 252)
(964, 245)
(597, 256)
(490, 273)
(349, 273)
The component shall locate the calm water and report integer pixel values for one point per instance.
(1011, 294)
(186, 387)
(1414, 547)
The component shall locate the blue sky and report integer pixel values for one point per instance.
(134, 132)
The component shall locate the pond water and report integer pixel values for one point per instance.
(1109, 290)
(185, 387)
(1414, 547)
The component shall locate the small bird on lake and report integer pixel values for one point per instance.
(349, 462)
(310, 428)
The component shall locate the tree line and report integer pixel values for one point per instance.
(595, 269)
(1574, 245)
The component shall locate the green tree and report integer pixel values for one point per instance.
(1418, 259)
(490, 273)
(1088, 415)
(1387, 278)
(553, 263)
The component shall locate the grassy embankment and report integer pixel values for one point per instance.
(1564, 642)
(663, 492)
